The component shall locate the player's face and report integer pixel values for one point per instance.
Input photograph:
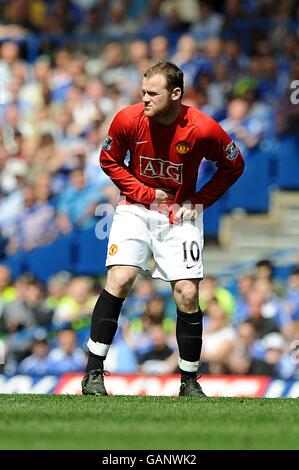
(155, 96)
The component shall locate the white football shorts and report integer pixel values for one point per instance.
(138, 233)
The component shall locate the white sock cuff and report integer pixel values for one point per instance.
(99, 349)
(187, 366)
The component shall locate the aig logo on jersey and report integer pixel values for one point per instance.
(182, 147)
(158, 168)
(231, 151)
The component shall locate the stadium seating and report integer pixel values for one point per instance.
(80, 252)
(288, 163)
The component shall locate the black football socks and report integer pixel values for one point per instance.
(189, 339)
(103, 328)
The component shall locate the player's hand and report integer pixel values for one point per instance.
(186, 212)
(163, 197)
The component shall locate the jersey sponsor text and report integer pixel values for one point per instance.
(158, 168)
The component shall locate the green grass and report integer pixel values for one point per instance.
(155, 423)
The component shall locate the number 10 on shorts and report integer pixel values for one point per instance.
(191, 252)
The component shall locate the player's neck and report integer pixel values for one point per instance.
(168, 118)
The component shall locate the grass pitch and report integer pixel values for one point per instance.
(155, 423)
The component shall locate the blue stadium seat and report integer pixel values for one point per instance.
(16, 264)
(282, 272)
(212, 218)
(47, 260)
(288, 163)
(251, 191)
(90, 253)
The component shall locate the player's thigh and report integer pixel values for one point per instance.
(179, 254)
(129, 240)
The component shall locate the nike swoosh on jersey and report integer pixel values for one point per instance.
(138, 142)
(189, 267)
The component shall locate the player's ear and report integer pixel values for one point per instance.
(176, 94)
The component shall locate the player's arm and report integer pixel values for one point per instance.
(112, 157)
(220, 148)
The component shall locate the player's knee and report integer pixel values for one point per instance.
(120, 281)
(186, 295)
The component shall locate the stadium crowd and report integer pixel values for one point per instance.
(66, 67)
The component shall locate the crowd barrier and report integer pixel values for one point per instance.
(154, 385)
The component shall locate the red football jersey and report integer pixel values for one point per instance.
(168, 156)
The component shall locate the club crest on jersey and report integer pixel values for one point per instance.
(112, 250)
(158, 168)
(231, 151)
(107, 143)
(182, 147)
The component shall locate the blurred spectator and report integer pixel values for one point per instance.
(209, 23)
(78, 301)
(159, 48)
(32, 96)
(121, 358)
(271, 86)
(90, 30)
(276, 362)
(187, 58)
(38, 361)
(28, 308)
(118, 24)
(273, 306)
(12, 171)
(264, 269)
(262, 325)
(292, 294)
(245, 286)
(22, 317)
(160, 359)
(57, 289)
(135, 304)
(12, 205)
(49, 157)
(9, 55)
(62, 16)
(7, 291)
(153, 21)
(247, 132)
(209, 289)
(246, 347)
(36, 226)
(76, 206)
(138, 334)
(66, 357)
(218, 338)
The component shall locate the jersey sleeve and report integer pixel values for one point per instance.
(219, 147)
(112, 156)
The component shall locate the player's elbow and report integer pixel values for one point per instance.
(234, 172)
(104, 161)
